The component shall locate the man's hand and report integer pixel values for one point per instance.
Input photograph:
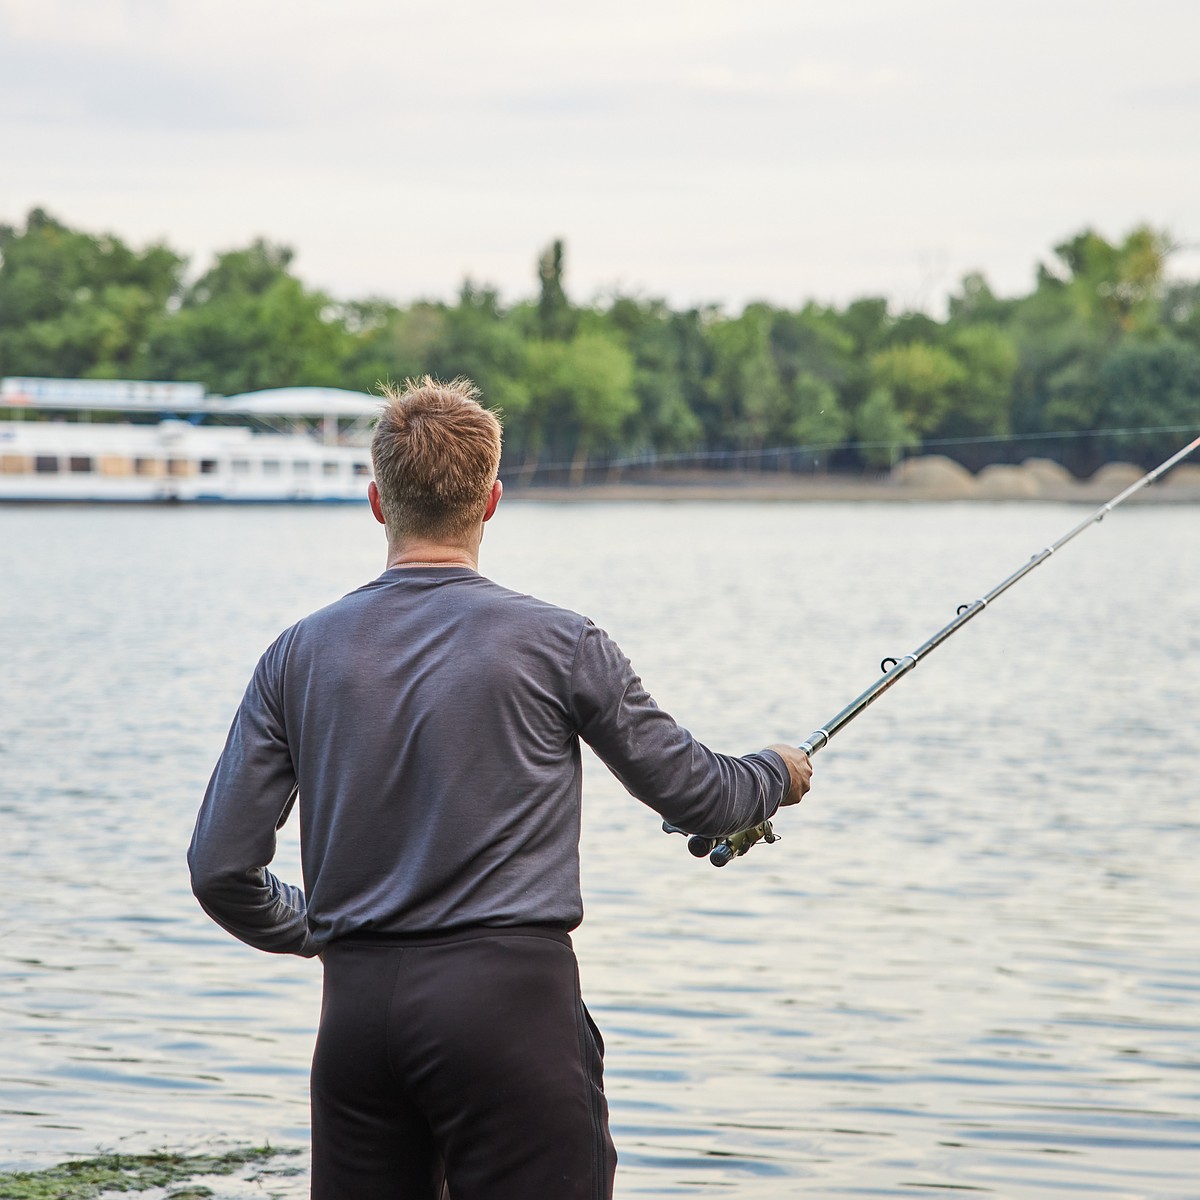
(800, 771)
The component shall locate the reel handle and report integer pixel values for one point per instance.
(722, 851)
(698, 846)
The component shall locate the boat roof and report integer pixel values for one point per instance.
(300, 402)
(126, 395)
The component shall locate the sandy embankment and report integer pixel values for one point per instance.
(931, 477)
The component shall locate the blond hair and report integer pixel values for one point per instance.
(436, 452)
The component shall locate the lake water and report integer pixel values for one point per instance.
(972, 963)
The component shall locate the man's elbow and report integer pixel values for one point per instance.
(211, 878)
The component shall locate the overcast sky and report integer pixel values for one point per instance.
(708, 151)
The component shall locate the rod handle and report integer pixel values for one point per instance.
(736, 844)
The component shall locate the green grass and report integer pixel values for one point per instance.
(84, 1179)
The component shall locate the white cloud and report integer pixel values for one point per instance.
(830, 78)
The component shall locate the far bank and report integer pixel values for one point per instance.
(930, 477)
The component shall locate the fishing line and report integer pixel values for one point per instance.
(720, 851)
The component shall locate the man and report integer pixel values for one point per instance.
(429, 723)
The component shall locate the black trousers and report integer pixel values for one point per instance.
(470, 1054)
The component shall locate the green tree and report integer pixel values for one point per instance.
(867, 323)
(1100, 340)
(883, 430)
(922, 381)
(556, 319)
(814, 357)
(1150, 385)
(402, 346)
(1086, 302)
(659, 345)
(476, 340)
(976, 303)
(1058, 356)
(1117, 288)
(248, 323)
(981, 403)
(580, 391)
(747, 399)
(79, 305)
(813, 340)
(911, 327)
(815, 418)
(1180, 313)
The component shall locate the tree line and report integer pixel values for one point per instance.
(1103, 341)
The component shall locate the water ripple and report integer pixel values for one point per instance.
(970, 966)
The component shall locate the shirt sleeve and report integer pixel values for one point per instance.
(659, 761)
(248, 798)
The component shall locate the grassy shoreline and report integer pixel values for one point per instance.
(110, 1174)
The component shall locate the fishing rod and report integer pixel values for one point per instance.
(720, 851)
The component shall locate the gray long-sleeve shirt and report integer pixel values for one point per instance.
(431, 722)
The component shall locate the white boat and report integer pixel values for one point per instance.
(96, 441)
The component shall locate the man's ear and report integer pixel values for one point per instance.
(373, 497)
(493, 500)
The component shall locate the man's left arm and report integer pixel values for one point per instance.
(234, 840)
(659, 761)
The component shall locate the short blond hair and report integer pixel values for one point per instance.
(436, 452)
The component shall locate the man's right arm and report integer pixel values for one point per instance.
(250, 793)
(660, 762)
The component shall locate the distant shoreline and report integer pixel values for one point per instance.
(919, 480)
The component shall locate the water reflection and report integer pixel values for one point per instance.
(971, 964)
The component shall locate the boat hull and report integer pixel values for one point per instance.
(52, 462)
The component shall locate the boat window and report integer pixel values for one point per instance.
(180, 466)
(80, 464)
(14, 464)
(147, 466)
(329, 468)
(361, 468)
(271, 466)
(208, 466)
(46, 464)
(301, 466)
(241, 466)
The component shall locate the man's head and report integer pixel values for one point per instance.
(436, 452)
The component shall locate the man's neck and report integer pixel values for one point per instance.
(433, 554)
